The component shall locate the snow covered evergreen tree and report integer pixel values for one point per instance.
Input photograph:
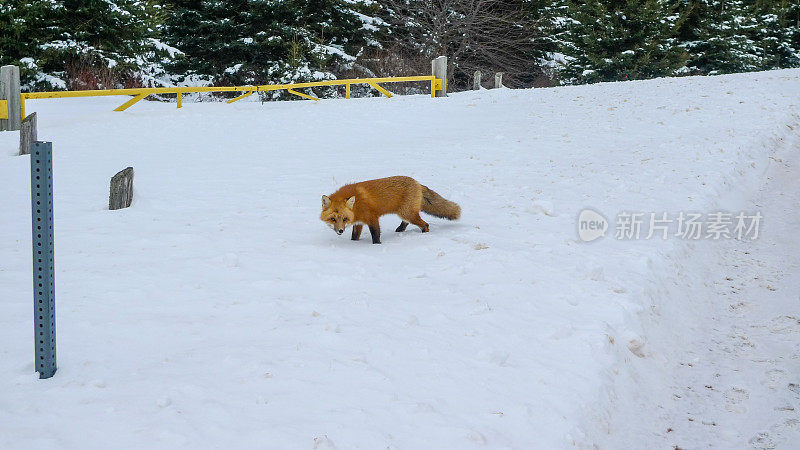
(620, 40)
(715, 36)
(242, 42)
(775, 33)
(730, 36)
(77, 44)
(24, 25)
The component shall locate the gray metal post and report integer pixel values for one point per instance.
(476, 81)
(44, 302)
(9, 91)
(439, 70)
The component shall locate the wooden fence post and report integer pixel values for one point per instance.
(9, 91)
(121, 192)
(498, 80)
(476, 81)
(439, 70)
(27, 134)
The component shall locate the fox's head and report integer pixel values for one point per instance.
(338, 214)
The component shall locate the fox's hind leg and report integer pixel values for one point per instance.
(356, 232)
(410, 213)
(417, 220)
(402, 226)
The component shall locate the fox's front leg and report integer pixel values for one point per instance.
(375, 231)
(356, 231)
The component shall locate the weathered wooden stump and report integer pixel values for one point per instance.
(476, 81)
(27, 134)
(121, 192)
(498, 80)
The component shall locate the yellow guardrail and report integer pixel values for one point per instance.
(141, 93)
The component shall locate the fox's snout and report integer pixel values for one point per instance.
(340, 231)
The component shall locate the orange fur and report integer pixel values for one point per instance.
(369, 200)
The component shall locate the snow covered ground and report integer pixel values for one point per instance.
(218, 310)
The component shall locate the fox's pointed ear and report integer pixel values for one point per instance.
(351, 201)
(325, 201)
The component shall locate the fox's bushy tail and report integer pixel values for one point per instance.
(436, 205)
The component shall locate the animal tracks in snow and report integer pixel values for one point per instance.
(734, 399)
(745, 380)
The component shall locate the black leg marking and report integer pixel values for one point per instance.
(356, 232)
(402, 226)
(376, 234)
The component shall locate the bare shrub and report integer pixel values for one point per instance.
(85, 72)
(487, 35)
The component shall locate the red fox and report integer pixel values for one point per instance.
(360, 204)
